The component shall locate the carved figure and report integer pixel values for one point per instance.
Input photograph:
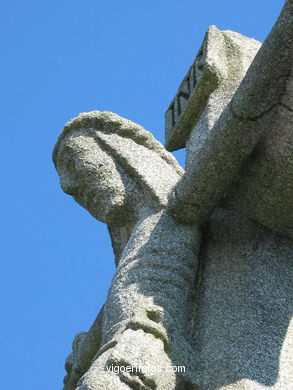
(123, 176)
(204, 258)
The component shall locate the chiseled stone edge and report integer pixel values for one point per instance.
(239, 128)
(192, 94)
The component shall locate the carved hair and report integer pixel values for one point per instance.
(108, 122)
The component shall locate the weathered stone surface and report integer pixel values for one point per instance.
(243, 330)
(115, 169)
(159, 263)
(151, 293)
(232, 60)
(135, 348)
(247, 155)
(118, 172)
(84, 348)
(210, 83)
(217, 300)
(88, 151)
(243, 311)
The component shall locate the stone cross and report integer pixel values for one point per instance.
(204, 257)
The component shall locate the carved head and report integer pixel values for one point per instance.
(113, 167)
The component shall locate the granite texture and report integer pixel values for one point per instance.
(210, 83)
(243, 331)
(243, 328)
(204, 257)
(123, 176)
(147, 311)
(115, 169)
(247, 155)
(84, 348)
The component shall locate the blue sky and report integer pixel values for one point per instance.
(60, 58)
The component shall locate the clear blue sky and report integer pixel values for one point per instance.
(59, 58)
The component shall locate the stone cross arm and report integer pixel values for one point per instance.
(245, 158)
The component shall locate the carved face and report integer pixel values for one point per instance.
(95, 181)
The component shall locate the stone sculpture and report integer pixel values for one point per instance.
(204, 257)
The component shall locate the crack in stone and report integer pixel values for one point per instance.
(256, 118)
(195, 205)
